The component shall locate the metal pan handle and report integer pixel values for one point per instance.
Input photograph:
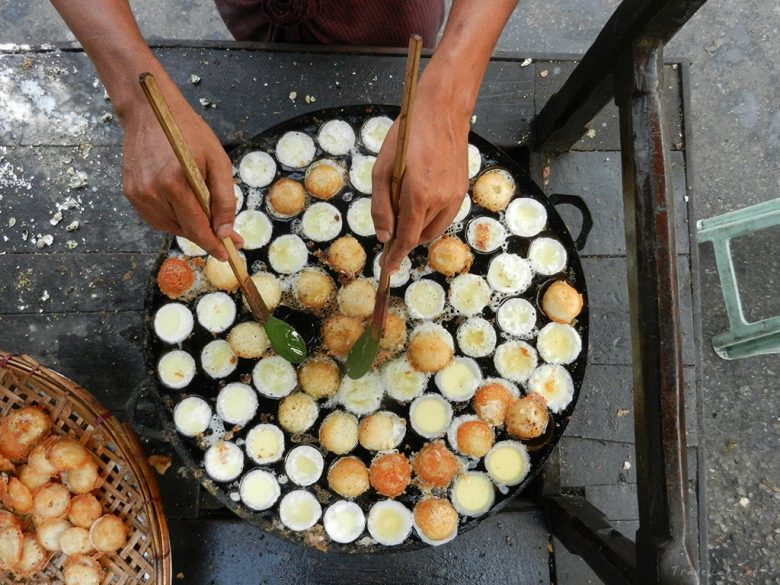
(587, 218)
(131, 411)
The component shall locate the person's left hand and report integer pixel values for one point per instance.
(436, 176)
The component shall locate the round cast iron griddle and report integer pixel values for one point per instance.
(192, 455)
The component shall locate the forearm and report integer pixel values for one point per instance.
(461, 59)
(109, 34)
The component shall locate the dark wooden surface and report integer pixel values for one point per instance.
(89, 327)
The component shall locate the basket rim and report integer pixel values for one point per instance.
(127, 443)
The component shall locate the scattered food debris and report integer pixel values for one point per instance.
(309, 99)
(180, 575)
(42, 241)
(544, 73)
(744, 502)
(71, 244)
(161, 463)
(591, 133)
(526, 62)
(623, 411)
(45, 296)
(78, 179)
(194, 79)
(56, 218)
(12, 222)
(474, 119)
(206, 103)
(293, 96)
(626, 465)
(106, 117)
(72, 226)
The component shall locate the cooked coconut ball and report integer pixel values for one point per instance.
(295, 149)
(320, 377)
(374, 131)
(297, 412)
(381, 431)
(473, 493)
(33, 558)
(509, 274)
(526, 217)
(173, 323)
(393, 336)
(191, 417)
(16, 496)
(83, 478)
(288, 254)
(286, 198)
(299, 510)
(401, 381)
(339, 432)
(561, 302)
(31, 477)
(84, 510)
(248, 340)
(360, 173)
(469, 294)
(527, 417)
(221, 275)
(216, 312)
(347, 256)
(38, 460)
(508, 463)
(398, 278)
(471, 436)
(314, 289)
(325, 178)
(336, 137)
(436, 520)
(348, 477)
(389, 522)
(435, 464)
(361, 396)
(65, 453)
(425, 299)
(265, 444)
(476, 337)
(492, 400)
(108, 533)
(449, 256)
(390, 474)
(259, 489)
(430, 348)
(344, 521)
(81, 570)
(321, 222)
(175, 277)
(359, 217)
(176, 369)
(515, 360)
(458, 380)
(189, 248)
(269, 288)
(474, 161)
(430, 415)
(11, 545)
(485, 234)
(21, 430)
(516, 317)
(339, 334)
(51, 500)
(304, 465)
(75, 540)
(555, 385)
(236, 404)
(558, 343)
(218, 359)
(494, 189)
(274, 377)
(257, 169)
(255, 227)
(547, 256)
(463, 210)
(357, 298)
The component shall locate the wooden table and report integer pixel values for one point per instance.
(75, 301)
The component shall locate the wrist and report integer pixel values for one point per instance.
(447, 89)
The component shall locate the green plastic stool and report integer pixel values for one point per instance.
(743, 339)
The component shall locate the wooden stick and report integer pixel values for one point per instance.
(399, 167)
(198, 185)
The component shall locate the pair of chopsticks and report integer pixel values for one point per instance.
(363, 353)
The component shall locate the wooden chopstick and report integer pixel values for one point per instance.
(198, 185)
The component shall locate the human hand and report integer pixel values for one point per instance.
(155, 184)
(436, 176)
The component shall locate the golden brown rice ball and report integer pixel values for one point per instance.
(527, 417)
(475, 438)
(348, 477)
(428, 352)
(435, 464)
(339, 334)
(561, 302)
(314, 289)
(449, 256)
(220, 274)
(390, 473)
(347, 256)
(297, 412)
(286, 198)
(436, 518)
(339, 432)
(319, 376)
(491, 402)
(493, 189)
(357, 298)
(324, 180)
(394, 335)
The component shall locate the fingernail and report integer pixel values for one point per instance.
(383, 235)
(224, 230)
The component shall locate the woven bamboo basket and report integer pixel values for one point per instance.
(129, 490)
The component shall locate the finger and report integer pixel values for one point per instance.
(194, 222)
(223, 200)
(410, 225)
(440, 221)
(381, 204)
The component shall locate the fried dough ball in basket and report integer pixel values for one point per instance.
(51, 500)
(75, 541)
(15, 495)
(22, 430)
(11, 544)
(82, 479)
(50, 531)
(527, 417)
(84, 510)
(82, 570)
(108, 533)
(65, 453)
(34, 557)
(32, 478)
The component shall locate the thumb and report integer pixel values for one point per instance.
(381, 205)
(223, 199)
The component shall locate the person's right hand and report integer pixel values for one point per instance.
(155, 184)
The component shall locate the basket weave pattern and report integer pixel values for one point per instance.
(129, 489)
